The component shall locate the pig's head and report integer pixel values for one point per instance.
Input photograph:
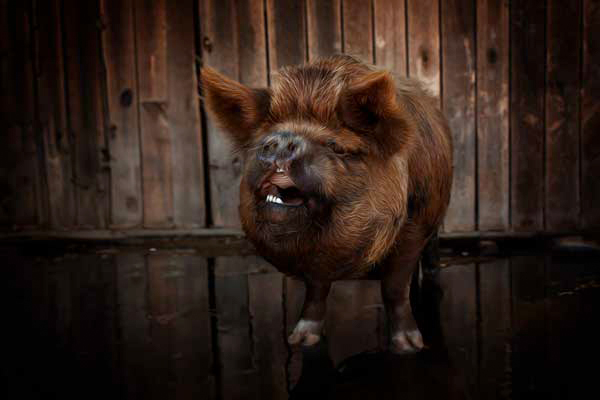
(321, 157)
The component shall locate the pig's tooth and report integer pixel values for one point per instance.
(278, 200)
(269, 198)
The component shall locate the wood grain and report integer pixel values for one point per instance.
(52, 116)
(563, 41)
(424, 43)
(287, 33)
(458, 103)
(240, 54)
(156, 135)
(492, 115)
(119, 53)
(358, 29)
(324, 30)
(183, 110)
(390, 35)
(21, 201)
(590, 116)
(85, 102)
(527, 25)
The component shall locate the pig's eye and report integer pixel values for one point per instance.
(337, 149)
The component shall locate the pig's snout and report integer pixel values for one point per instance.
(281, 148)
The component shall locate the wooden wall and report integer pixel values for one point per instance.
(103, 126)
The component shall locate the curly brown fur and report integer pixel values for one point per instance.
(369, 156)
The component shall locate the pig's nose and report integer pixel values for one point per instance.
(281, 149)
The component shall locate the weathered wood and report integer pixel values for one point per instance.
(156, 136)
(528, 325)
(85, 115)
(590, 115)
(458, 102)
(287, 32)
(20, 198)
(132, 281)
(324, 30)
(424, 42)
(239, 53)
(527, 25)
(57, 151)
(270, 349)
(495, 380)
(354, 319)
(459, 320)
(390, 35)
(235, 345)
(118, 43)
(294, 293)
(184, 118)
(492, 115)
(563, 40)
(358, 29)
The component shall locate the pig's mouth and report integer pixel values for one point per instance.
(279, 189)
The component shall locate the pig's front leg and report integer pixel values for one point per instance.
(395, 289)
(308, 330)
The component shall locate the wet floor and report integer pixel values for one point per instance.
(134, 323)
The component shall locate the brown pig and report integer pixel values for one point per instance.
(346, 171)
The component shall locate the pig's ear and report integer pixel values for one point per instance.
(238, 109)
(369, 107)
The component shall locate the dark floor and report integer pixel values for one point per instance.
(149, 323)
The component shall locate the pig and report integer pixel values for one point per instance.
(347, 171)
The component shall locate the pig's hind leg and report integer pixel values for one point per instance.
(308, 329)
(397, 272)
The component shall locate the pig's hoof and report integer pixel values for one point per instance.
(306, 332)
(405, 342)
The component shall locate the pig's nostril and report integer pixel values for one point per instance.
(292, 147)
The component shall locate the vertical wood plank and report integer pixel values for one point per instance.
(132, 281)
(287, 32)
(495, 301)
(528, 325)
(239, 53)
(270, 348)
(590, 115)
(156, 137)
(19, 203)
(424, 43)
(358, 29)
(57, 151)
(119, 52)
(458, 58)
(563, 41)
(459, 320)
(86, 111)
(184, 118)
(323, 25)
(492, 115)
(527, 25)
(390, 35)
(294, 292)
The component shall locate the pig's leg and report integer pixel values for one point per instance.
(395, 289)
(308, 329)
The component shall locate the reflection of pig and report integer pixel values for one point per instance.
(345, 172)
